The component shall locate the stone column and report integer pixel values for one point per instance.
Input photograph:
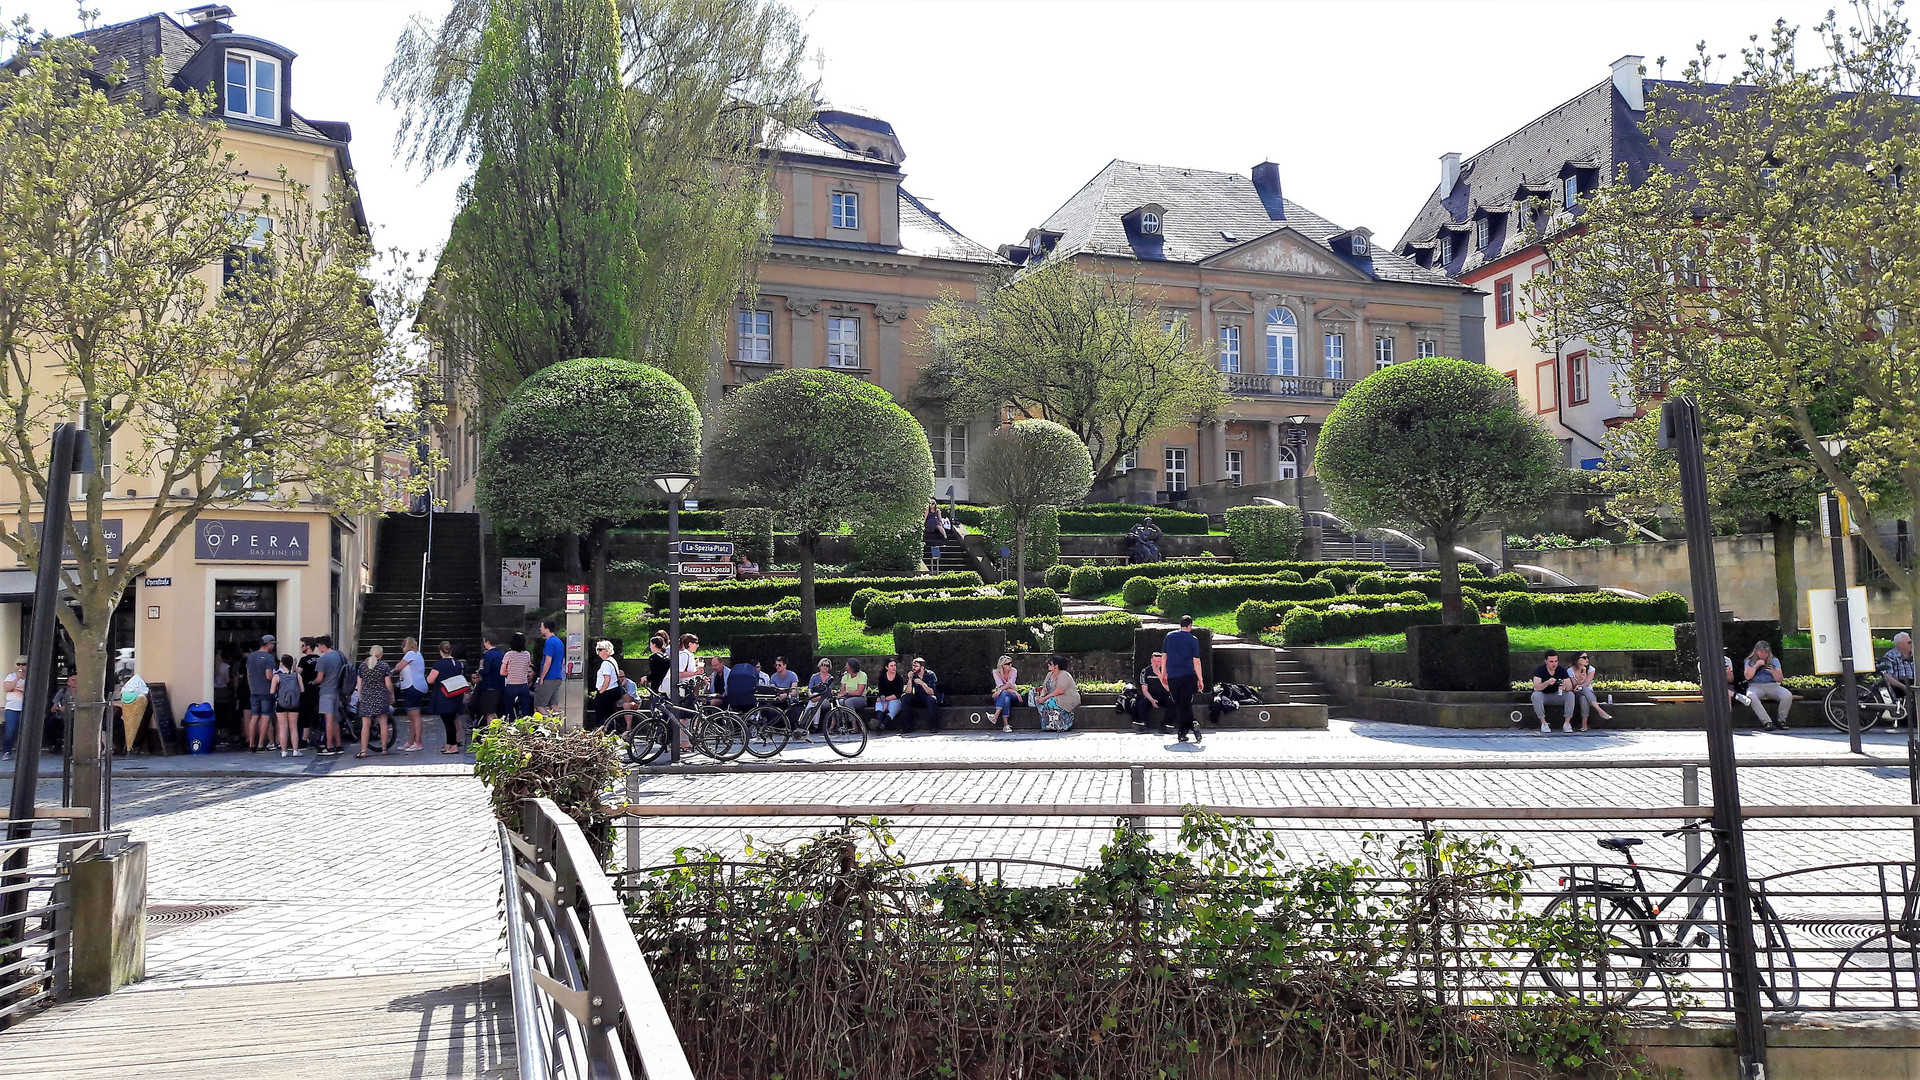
(1209, 335)
(1273, 453)
(1220, 450)
(109, 898)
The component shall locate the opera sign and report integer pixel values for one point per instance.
(250, 541)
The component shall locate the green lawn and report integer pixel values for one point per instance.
(1805, 641)
(841, 634)
(1568, 639)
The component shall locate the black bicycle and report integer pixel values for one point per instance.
(1876, 699)
(717, 733)
(1618, 940)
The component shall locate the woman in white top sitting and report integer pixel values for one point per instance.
(1006, 692)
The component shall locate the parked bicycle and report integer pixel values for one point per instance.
(844, 732)
(717, 733)
(1876, 699)
(1621, 940)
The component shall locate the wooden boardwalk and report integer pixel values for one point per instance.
(425, 1026)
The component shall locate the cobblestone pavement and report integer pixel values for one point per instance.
(326, 877)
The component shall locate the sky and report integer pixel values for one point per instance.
(1006, 108)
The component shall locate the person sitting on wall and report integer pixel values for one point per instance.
(1764, 679)
(1896, 669)
(923, 695)
(1552, 685)
(1154, 695)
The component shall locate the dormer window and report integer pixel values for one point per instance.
(1229, 237)
(1442, 251)
(253, 86)
(1570, 191)
(1150, 224)
(1360, 244)
(1482, 232)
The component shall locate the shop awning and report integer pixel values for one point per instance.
(16, 586)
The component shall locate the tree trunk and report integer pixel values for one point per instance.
(596, 611)
(570, 559)
(89, 634)
(1786, 584)
(808, 625)
(1020, 569)
(1451, 612)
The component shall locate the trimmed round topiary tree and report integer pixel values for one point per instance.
(1024, 467)
(1139, 592)
(570, 454)
(1435, 444)
(820, 449)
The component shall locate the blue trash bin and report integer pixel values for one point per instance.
(199, 727)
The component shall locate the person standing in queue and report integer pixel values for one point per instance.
(1184, 676)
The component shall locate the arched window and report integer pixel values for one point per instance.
(1283, 342)
(1289, 468)
(1150, 224)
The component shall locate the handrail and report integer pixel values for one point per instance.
(581, 989)
(1174, 810)
(36, 964)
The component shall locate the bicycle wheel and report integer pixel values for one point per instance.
(719, 734)
(767, 731)
(646, 739)
(1773, 954)
(1836, 708)
(845, 732)
(1604, 954)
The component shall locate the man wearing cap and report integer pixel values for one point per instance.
(260, 708)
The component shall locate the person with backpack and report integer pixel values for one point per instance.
(285, 684)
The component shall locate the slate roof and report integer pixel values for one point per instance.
(923, 232)
(1206, 213)
(1594, 129)
(139, 40)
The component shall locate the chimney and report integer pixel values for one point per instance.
(1449, 173)
(208, 20)
(1266, 181)
(1626, 79)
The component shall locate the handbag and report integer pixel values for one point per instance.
(454, 685)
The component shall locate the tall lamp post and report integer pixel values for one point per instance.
(1297, 438)
(674, 486)
(1834, 445)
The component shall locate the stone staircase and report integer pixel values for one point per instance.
(1336, 545)
(1298, 681)
(392, 611)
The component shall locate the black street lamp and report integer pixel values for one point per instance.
(674, 486)
(1297, 438)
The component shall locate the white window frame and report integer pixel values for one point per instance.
(1130, 462)
(1570, 191)
(1234, 466)
(756, 337)
(252, 90)
(1174, 458)
(1482, 232)
(949, 445)
(1230, 349)
(1426, 348)
(1359, 245)
(1442, 251)
(846, 210)
(1382, 352)
(1149, 224)
(1333, 349)
(1289, 465)
(1283, 342)
(843, 342)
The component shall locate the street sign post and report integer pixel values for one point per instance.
(1824, 610)
(1837, 524)
(704, 549)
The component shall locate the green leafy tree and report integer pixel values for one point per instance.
(1436, 444)
(571, 453)
(821, 449)
(1776, 260)
(1023, 468)
(117, 215)
(1084, 351)
(620, 197)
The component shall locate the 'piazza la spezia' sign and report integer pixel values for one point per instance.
(235, 540)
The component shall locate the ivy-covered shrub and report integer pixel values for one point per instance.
(1187, 597)
(884, 611)
(883, 544)
(1092, 581)
(751, 530)
(1263, 532)
(826, 590)
(1139, 592)
(1057, 577)
(1043, 536)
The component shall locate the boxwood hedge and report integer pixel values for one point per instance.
(1091, 581)
(837, 590)
(1253, 617)
(1305, 626)
(885, 611)
(1188, 597)
(857, 607)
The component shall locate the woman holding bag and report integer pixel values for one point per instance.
(447, 679)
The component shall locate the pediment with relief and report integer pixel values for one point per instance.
(1284, 251)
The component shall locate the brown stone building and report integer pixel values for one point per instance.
(1297, 308)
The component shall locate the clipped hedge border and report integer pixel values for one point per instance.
(1254, 617)
(1561, 609)
(857, 605)
(1109, 631)
(1305, 626)
(1107, 519)
(885, 611)
(837, 590)
(1091, 581)
(1185, 598)
(710, 629)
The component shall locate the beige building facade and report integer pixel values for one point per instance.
(290, 566)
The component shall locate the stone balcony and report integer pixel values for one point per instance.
(1308, 387)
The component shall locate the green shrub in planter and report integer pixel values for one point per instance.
(1139, 592)
(1264, 533)
(1057, 576)
(751, 530)
(1110, 631)
(1516, 609)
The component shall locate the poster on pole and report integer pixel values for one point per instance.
(576, 598)
(520, 582)
(1846, 526)
(1826, 630)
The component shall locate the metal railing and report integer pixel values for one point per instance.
(36, 944)
(584, 1005)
